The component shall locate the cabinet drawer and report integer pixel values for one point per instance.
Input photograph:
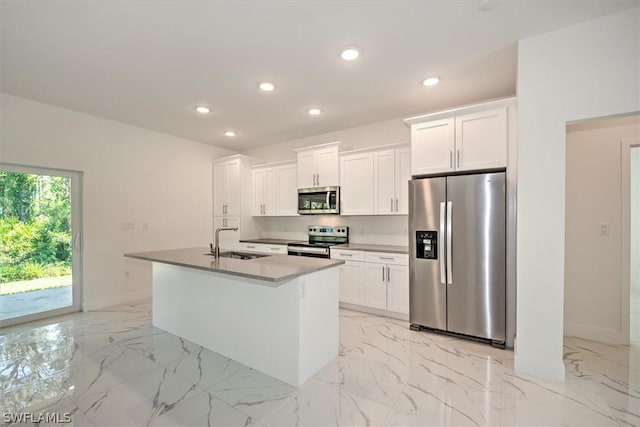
(264, 248)
(387, 258)
(347, 254)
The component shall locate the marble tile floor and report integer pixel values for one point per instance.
(112, 368)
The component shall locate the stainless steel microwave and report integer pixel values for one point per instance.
(319, 200)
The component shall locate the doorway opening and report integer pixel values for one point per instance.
(599, 241)
(631, 156)
(40, 251)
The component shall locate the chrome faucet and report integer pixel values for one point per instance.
(216, 248)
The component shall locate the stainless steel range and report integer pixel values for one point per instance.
(321, 238)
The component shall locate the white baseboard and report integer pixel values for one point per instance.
(604, 335)
(103, 302)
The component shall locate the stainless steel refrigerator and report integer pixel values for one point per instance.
(457, 255)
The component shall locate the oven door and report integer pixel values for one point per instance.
(308, 251)
(321, 200)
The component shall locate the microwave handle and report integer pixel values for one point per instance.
(328, 194)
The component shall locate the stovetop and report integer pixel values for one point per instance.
(323, 236)
(313, 245)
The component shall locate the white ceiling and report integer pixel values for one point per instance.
(149, 63)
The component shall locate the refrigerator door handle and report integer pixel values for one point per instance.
(441, 243)
(449, 240)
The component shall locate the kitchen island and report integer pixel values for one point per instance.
(277, 314)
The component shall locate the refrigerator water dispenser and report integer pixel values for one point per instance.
(426, 244)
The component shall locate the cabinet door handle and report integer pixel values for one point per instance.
(318, 183)
(392, 204)
(450, 159)
(458, 156)
(386, 257)
(383, 273)
(346, 254)
(396, 204)
(388, 274)
(274, 249)
(250, 247)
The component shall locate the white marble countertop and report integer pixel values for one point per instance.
(272, 268)
(373, 248)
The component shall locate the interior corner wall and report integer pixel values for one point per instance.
(593, 289)
(584, 71)
(130, 175)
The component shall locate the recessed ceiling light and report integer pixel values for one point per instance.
(431, 81)
(203, 110)
(350, 53)
(314, 111)
(266, 86)
(230, 133)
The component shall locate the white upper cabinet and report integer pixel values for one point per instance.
(464, 139)
(274, 190)
(264, 191)
(375, 182)
(356, 190)
(287, 190)
(481, 140)
(318, 166)
(403, 176)
(226, 188)
(384, 186)
(432, 146)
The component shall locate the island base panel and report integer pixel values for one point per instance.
(289, 331)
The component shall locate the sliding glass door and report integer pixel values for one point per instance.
(40, 243)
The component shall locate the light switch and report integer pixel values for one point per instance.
(604, 229)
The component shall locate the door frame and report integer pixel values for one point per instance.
(625, 238)
(77, 245)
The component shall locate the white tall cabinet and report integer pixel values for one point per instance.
(318, 165)
(232, 201)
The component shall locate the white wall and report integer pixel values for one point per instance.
(635, 225)
(593, 290)
(584, 71)
(130, 175)
(373, 135)
(382, 229)
(390, 230)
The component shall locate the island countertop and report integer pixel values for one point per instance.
(272, 268)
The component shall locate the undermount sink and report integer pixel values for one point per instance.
(239, 255)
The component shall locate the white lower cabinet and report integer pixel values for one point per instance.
(398, 288)
(374, 280)
(375, 293)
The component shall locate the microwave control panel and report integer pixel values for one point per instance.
(427, 244)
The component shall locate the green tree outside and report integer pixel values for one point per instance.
(35, 226)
